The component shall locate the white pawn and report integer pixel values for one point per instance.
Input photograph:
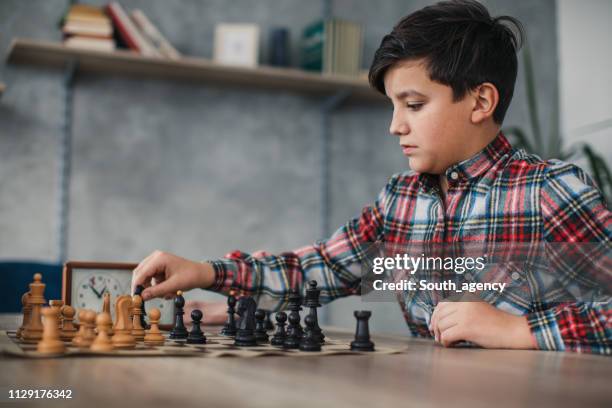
(50, 343)
(102, 342)
(153, 336)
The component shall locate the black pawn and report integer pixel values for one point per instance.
(312, 301)
(292, 341)
(295, 305)
(196, 336)
(179, 331)
(143, 322)
(229, 329)
(260, 327)
(362, 333)
(310, 341)
(245, 336)
(269, 324)
(279, 337)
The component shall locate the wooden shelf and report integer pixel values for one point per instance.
(52, 54)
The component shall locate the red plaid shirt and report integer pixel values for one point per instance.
(499, 195)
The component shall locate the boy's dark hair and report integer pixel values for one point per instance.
(463, 46)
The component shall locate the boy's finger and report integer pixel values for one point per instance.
(163, 288)
(146, 270)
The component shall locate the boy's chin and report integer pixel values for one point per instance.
(421, 166)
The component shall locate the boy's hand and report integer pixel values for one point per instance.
(480, 323)
(162, 274)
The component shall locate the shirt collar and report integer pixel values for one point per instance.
(474, 166)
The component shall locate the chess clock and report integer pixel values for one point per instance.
(84, 284)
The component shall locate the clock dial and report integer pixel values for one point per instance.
(90, 288)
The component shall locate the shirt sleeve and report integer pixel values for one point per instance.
(574, 211)
(335, 263)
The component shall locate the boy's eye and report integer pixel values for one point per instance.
(414, 106)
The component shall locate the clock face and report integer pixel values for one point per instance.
(89, 285)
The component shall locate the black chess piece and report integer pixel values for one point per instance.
(362, 340)
(179, 332)
(196, 336)
(143, 322)
(292, 341)
(245, 336)
(279, 337)
(229, 328)
(260, 327)
(269, 324)
(295, 303)
(312, 301)
(310, 341)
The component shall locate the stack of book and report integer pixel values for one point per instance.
(92, 28)
(88, 27)
(332, 46)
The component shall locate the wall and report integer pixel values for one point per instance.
(196, 169)
(584, 72)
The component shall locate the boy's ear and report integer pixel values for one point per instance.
(486, 98)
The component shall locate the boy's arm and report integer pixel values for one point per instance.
(335, 263)
(574, 211)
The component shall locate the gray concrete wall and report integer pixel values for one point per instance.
(196, 169)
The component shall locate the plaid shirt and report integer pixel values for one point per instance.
(501, 194)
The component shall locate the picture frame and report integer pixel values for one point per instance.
(236, 44)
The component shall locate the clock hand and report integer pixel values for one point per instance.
(95, 291)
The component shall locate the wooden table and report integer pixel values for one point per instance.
(426, 375)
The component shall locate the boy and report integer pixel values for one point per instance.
(449, 71)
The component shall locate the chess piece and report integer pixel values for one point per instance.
(196, 336)
(102, 342)
(362, 340)
(260, 327)
(279, 337)
(25, 309)
(68, 330)
(179, 332)
(57, 305)
(77, 340)
(123, 339)
(295, 303)
(143, 322)
(292, 341)
(310, 341)
(312, 302)
(90, 327)
(229, 329)
(32, 333)
(153, 336)
(138, 330)
(269, 324)
(50, 342)
(106, 303)
(245, 336)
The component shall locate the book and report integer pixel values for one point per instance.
(78, 27)
(129, 32)
(155, 37)
(95, 44)
(332, 46)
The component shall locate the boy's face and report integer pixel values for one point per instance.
(434, 131)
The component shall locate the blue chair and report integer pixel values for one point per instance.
(15, 276)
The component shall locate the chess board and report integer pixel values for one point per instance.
(216, 346)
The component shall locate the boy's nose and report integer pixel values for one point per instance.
(399, 127)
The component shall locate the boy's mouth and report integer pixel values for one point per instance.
(408, 149)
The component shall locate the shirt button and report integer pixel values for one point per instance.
(454, 175)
